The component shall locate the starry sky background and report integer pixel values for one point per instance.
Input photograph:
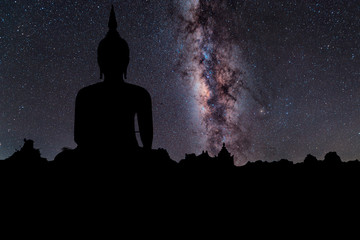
(301, 60)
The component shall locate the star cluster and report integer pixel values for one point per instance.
(299, 59)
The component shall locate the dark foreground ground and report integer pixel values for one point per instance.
(150, 195)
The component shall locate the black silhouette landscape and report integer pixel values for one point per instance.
(158, 161)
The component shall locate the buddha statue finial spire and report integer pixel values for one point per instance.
(112, 20)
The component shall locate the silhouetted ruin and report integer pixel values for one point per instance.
(224, 160)
(26, 157)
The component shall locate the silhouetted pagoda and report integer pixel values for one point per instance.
(225, 157)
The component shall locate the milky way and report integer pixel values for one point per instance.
(213, 66)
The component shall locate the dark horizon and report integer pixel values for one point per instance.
(190, 157)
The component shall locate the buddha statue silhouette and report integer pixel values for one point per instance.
(105, 112)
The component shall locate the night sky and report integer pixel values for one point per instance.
(272, 79)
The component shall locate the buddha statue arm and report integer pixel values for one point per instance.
(145, 121)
